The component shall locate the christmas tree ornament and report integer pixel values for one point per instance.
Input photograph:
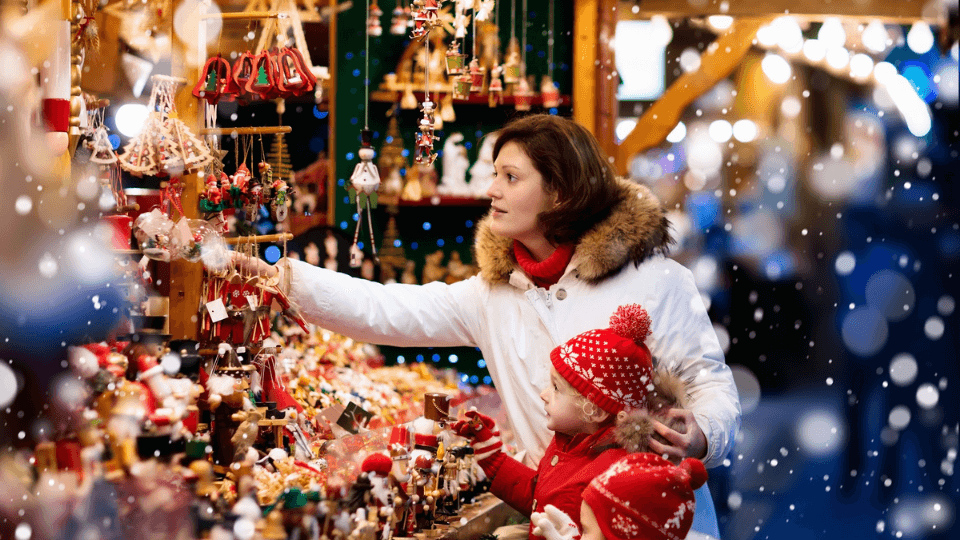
(373, 20)
(216, 81)
(511, 66)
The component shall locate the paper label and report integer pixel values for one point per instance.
(217, 310)
(252, 300)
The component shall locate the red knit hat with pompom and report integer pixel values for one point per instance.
(610, 367)
(644, 496)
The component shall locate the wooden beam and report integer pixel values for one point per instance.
(585, 36)
(607, 79)
(902, 11)
(721, 57)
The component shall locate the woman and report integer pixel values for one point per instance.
(564, 244)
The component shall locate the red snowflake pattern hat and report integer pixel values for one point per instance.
(644, 496)
(610, 367)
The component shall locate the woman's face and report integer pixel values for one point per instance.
(518, 196)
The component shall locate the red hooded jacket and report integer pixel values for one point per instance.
(568, 465)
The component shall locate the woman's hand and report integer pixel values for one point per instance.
(691, 443)
(252, 266)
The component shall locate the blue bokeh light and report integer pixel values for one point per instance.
(272, 254)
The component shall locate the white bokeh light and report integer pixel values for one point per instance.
(23, 205)
(678, 133)
(861, 66)
(899, 417)
(948, 85)
(814, 50)
(624, 127)
(689, 60)
(845, 263)
(920, 37)
(767, 36)
(48, 266)
(927, 396)
(864, 331)
(170, 363)
(720, 22)
(23, 532)
(875, 37)
(745, 130)
(748, 387)
(946, 305)
(130, 118)
(8, 385)
(837, 57)
(720, 131)
(789, 35)
(933, 328)
(790, 106)
(903, 369)
(831, 33)
(820, 433)
(723, 337)
(776, 68)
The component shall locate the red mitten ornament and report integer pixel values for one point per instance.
(482, 432)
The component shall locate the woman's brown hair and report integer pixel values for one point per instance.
(572, 165)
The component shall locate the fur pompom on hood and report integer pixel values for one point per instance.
(636, 229)
(634, 429)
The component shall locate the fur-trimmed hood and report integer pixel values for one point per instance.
(636, 228)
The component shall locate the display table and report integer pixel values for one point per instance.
(473, 521)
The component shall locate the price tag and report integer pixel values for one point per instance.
(217, 310)
(252, 300)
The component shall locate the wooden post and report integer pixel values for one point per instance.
(332, 117)
(186, 278)
(585, 32)
(608, 80)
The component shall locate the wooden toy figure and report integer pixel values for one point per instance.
(425, 140)
(421, 27)
(364, 183)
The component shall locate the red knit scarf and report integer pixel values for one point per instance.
(547, 272)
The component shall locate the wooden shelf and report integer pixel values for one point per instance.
(438, 200)
(391, 96)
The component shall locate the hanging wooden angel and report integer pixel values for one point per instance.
(364, 183)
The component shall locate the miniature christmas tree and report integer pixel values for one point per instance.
(392, 258)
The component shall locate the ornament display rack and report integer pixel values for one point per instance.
(394, 96)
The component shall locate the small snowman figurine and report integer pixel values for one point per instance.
(364, 183)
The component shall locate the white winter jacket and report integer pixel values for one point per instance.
(516, 324)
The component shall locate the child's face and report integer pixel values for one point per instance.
(588, 524)
(561, 403)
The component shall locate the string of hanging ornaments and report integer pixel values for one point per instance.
(425, 19)
(365, 180)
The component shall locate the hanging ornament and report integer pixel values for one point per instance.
(364, 183)
(476, 75)
(549, 92)
(373, 20)
(461, 86)
(216, 81)
(421, 21)
(425, 136)
(523, 95)
(101, 147)
(495, 90)
(400, 20)
(511, 67)
(455, 59)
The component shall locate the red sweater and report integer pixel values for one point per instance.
(561, 483)
(548, 271)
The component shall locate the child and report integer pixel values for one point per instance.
(595, 377)
(640, 497)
